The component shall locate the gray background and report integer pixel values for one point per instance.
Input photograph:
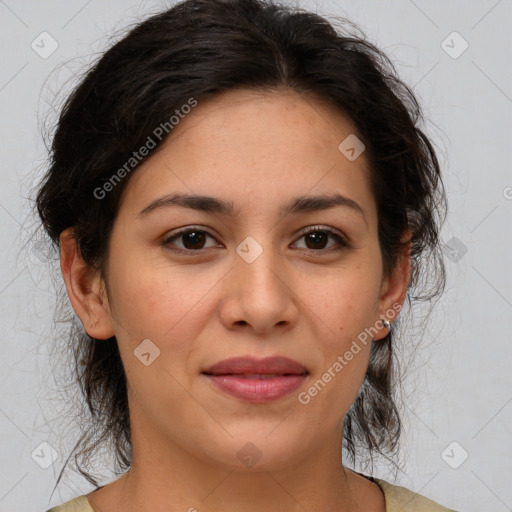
(460, 391)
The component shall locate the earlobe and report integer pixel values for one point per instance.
(394, 289)
(85, 288)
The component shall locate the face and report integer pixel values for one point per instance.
(203, 285)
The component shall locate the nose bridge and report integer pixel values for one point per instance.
(258, 263)
(258, 294)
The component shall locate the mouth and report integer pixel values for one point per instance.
(257, 380)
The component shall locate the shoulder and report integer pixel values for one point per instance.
(400, 499)
(79, 504)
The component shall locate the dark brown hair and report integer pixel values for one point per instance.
(197, 49)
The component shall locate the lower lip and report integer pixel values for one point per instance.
(258, 390)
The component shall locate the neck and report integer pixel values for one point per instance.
(161, 480)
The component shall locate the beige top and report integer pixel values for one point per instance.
(398, 499)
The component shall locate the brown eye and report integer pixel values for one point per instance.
(317, 239)
(192, 240)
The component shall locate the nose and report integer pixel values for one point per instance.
(259, 295)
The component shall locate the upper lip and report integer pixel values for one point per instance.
(250, 365)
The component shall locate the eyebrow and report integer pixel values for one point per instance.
(219, 206)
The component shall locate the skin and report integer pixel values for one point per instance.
(207, 306)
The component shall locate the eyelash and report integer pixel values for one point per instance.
(342, 241)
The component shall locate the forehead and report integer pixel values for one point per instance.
(252, 148)
(264, 119)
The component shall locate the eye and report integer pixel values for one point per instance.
(317, 237)
(192, 238)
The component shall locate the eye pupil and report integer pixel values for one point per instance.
(318, 237)
(193, 240)
(196, 237)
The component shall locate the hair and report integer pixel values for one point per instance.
(198, 49)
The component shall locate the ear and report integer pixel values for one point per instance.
(394, 288)
(86, 289)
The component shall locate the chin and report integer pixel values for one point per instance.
(254, 450)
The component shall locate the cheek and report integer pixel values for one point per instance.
(341, 307)
(159, 301)
(344, 302)
(346, 308)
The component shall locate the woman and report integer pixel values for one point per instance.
(243, 202)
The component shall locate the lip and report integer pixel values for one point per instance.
(257, 380)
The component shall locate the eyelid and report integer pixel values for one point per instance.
(319, 227)
(186, 229)
(343, 241)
